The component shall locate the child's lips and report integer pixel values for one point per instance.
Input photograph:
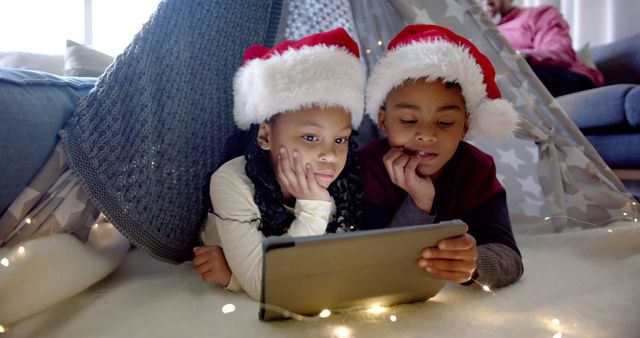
(328, 176)
(425, 155)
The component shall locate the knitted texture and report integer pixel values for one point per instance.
(146, 140)
(493, 268)
(306, 17)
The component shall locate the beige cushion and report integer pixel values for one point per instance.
(80, 60)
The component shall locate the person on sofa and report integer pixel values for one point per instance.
(541, 36)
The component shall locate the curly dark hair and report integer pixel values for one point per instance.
(346, 190)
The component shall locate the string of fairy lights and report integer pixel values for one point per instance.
(376, 311)
(630, 211)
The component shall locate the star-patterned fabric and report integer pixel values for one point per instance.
(54, 202)
(55, 241)
(551, 173)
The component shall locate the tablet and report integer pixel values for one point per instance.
(350, 270)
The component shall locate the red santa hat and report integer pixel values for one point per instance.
(433, 52)
(321, 69)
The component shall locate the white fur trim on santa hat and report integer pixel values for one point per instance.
(493, 119)
(299, 78)
(452, 63)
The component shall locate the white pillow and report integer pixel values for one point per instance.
(53, 64)
(80, 60)
(56, 267)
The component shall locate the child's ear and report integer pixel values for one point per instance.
(264, 136)
(382, 121)
(466, 127)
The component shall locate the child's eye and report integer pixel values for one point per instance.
(445, 124)
(310, 138)
(408, 121)
(342, 140)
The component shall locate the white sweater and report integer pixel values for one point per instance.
(234, 224)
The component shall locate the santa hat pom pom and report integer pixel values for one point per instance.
(494, 119)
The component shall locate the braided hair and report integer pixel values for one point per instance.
(346, 190)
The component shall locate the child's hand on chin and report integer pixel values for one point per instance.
(212, 265)
(401, 168)
(453, 259)
(298, 181)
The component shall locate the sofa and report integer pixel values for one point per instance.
(39, 91)
(609, 116)
(33, 107)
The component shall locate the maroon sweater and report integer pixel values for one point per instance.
(467, 189)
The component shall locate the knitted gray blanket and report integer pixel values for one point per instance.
(146, 140)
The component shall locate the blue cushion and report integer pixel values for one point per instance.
(33, 107)
(632, 107)
(619, 61)
(618, 151)
(597, 108)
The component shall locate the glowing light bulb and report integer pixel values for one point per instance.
(393, 318)
(635, 220)
(558, 335)
(610, 231)
(2, 330)
(21, 250)
(547, 218)
(228, 308)
(555, 321)
(4, 261)
(342, 332)
(28, 220)
(324, 313)
(379, 42)
(377, 309)
(624, 214)
(368, 51)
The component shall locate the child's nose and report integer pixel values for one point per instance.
(425, 136)
(328, 154)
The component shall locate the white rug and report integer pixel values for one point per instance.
(588, 280)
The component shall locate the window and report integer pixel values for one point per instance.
(43, 26)
(116, 22)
